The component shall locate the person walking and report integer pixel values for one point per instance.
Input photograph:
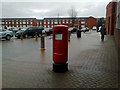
(102, 31)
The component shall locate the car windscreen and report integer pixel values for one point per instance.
(23, 29)
(3, 30)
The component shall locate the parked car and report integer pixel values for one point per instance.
(48, 31)
(14, 29)
(5, 34)
(70, 29)
(94, 28)
(30, 31)
(85, 29)
(74, 29)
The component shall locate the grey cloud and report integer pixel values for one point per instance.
(24, 9)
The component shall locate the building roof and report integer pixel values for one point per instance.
(17, 18)
(67, 18)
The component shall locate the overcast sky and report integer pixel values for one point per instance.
(51, 8)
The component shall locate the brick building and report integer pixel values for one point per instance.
(111, 17)
(113, 22)
(117, 29)
(90, 22)
(49, 22)
(18, 22)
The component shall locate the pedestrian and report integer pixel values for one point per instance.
(102, 31)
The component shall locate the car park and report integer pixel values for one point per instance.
(5, 34)
(47, 31)
(29, 31)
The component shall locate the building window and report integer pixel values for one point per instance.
(44, 21)
(20, 21)
(55, 20)
(12, 22)
(3, 22)
(20, 25)
(82, 22)
(67, 21)
(44, 26)
(24, 22)
(28, 22)
(0, 22)
(48, 21)
(24, 25)
(63, 21)
(82, 19)
(38, 23)
(56, 23)
(17, 22)
(82, 26)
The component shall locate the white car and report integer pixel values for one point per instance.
(94, 28)
(4, 33)
(14, 29)
(70, 29)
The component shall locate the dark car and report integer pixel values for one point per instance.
(30, 31)
(48, 31)
(85, 29)
(74, 29)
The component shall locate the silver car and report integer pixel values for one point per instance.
(5, 34)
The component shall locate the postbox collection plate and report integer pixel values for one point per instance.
(58, 36)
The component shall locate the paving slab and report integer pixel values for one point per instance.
(92, 63)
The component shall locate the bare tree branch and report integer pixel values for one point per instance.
(72, 13)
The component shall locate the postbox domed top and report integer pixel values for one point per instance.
(60, 27)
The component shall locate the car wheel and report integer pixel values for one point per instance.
(25, 36)
(8, 37)
(18, 37)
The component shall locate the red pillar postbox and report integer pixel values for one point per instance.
(60, 48)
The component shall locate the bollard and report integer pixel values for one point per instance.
(36, 37)
(78, 33)
(21, 36)
(42, 43)
(69, 33)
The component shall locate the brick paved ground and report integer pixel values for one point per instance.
(92, 64)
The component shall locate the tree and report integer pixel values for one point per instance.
(72, 13)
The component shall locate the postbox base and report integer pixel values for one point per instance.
(60, 67)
